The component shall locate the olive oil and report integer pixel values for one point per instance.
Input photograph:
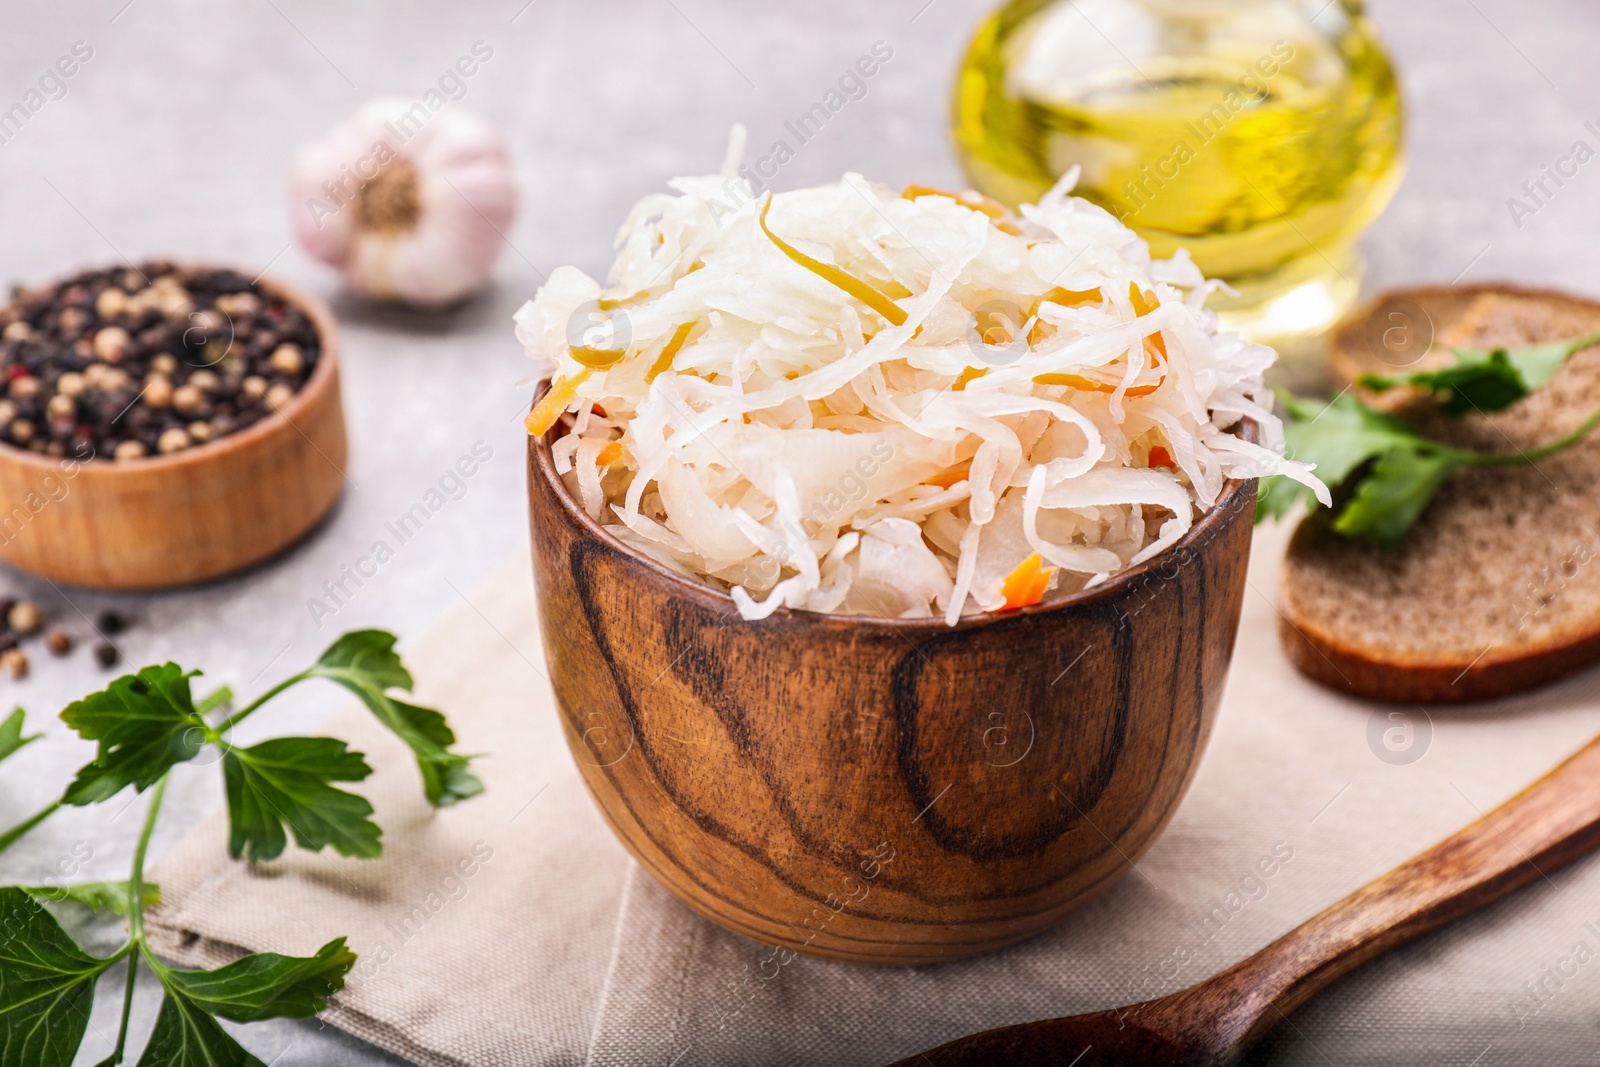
(1261, 135)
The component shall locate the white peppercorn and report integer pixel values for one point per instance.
(158, 392)
(111, 344)
(188, 400)
(278, 396)
(288, 361)
(25, 617)
(111, 303)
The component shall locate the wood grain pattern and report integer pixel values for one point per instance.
(187, 517)
(1551, 823)
(884, 791)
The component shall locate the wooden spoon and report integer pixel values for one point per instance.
(1552, 822)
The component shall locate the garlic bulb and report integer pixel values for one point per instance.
(411, 204)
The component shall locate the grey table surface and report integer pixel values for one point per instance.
(173, 139)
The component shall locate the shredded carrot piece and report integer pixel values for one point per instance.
(597, 358)
(664, 360)
(611, 303)
(973, 199)
(1070, 298)
(562, 393)
(971, 374)
(946, 478)
(1143, 304)
(984, 205)
(1026, 585)
(1155, 349)
(857, 288)
(1077, 381)
(609, 455)
(1160, 457)
(601, 358)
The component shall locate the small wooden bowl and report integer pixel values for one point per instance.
(198, 514)
(878, 790)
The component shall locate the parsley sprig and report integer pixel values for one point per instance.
(145, 724)
(1384, 472)
(1487, 379)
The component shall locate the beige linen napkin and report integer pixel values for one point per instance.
(1323, 792)
(485, 929)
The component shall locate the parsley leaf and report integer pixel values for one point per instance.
(1488, 379)
(1386, 471)
(1389, 499)
(266, 985)
(11, 737)
(288, 780)
(115, 897)
(1343, 435)
(145, 724)
(46, 986)
(365, 663)
(1276, 496)
(260, 986)
(1338, 437)
(1390, 472)
(446, 777)
(185, 1036)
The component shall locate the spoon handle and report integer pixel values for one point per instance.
(1552, 822)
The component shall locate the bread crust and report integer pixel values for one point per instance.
(1346, 663)
(1365, 670)
(1350, 352)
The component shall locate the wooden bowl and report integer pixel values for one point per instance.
(880, 790)
(201, 513)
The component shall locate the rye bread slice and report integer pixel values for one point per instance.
(1496, 589)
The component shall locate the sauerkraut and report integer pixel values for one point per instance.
(858, 400)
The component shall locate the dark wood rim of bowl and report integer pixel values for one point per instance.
(1204, 529)
(327, 358)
